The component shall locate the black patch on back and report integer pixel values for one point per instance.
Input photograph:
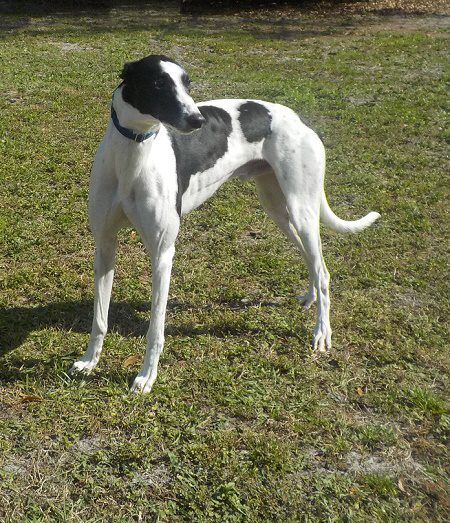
(200, 150)
(255, 120)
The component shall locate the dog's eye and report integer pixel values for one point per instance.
(159, 84)
(186, 82)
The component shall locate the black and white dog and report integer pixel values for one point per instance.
(151, 168)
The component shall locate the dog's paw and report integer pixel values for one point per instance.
(322, 340)
(82, 368)
(141, 385)
(307, 300)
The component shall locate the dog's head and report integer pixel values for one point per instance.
(159, 87)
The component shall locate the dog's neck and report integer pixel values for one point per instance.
(131, 118)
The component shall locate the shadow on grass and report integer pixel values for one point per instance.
(103, 16)
(129, 319)
(17, 322)
(125, 318)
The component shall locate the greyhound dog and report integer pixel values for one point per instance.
(162, 156)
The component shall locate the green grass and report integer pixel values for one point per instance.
(244, 424)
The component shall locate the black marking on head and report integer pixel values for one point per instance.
(200, 150)
(255, 120)
(150, 90)
(186, 81)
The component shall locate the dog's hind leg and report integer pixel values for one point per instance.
(307, 227)
(274, 203)
(299, 166)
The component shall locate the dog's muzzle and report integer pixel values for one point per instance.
(195, 121)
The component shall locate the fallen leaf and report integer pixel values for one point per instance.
(131, 360)
(25, 398)
(360, 392)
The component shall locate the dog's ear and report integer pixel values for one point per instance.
(127, 71)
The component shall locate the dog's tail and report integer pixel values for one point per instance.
(334, 222)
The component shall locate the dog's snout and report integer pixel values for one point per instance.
(196, 120)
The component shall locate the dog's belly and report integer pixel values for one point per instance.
(203, 185)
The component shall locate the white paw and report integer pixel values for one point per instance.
(141, 385)
(82, 367)
(322, 340)
(307, 300)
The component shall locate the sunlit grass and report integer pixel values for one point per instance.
(244, 423)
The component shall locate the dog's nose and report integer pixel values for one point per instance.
(195, 121)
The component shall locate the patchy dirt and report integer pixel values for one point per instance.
(200, 7)
(366, 6)
(325, 19)
(358, 463)
(66, 46)
(287, 21)
(156, 478)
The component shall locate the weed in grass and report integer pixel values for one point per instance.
(375, 437)
(426, 402)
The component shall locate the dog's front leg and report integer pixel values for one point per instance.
(161, 269)
(103, 276)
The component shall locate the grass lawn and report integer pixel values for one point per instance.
(244, 423)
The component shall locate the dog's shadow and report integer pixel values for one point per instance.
(16, 323)
(127, 318)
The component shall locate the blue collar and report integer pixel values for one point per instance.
(128, 133)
